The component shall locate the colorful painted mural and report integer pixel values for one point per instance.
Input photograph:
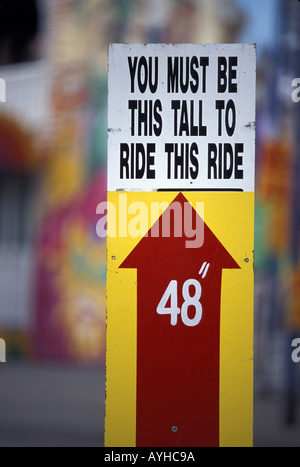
(70, 308)
(71, 297)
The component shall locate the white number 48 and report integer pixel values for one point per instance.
(189, 301)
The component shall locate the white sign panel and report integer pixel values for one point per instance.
(181, 117)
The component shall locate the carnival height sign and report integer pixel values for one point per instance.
(180, 227)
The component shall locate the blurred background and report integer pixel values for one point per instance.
(53, 58)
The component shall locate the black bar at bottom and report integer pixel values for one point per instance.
(239, 190)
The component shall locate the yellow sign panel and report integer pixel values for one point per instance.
(231, 217)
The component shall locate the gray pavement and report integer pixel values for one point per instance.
(48, 406)
(51, 406)
(270, 428)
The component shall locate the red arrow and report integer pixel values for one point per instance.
(178, 365)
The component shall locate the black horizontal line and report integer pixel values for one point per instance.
(240, 190)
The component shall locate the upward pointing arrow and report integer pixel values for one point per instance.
(178, 366)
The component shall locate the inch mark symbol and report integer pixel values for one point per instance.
(204, 269)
